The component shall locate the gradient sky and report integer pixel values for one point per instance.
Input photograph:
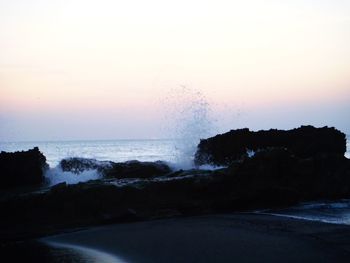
(84, 69)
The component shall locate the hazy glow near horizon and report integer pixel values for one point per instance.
(99, 69)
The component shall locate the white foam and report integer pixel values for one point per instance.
(327, 212)
(250, 153)
(92, 255)
(210, 167)
(339, 221)
(56, 175)
(126, 181)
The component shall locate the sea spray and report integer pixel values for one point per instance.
(187, 120)
(56, 175)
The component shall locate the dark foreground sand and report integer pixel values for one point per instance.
(217, 238)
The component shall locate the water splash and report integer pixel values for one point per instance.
(56, 175)
(188, 119)
(347, 154)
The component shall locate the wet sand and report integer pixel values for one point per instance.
(217, 238)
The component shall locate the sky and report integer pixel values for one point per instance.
(84, 69)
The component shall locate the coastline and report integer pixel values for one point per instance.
(239, 237)
(182, 215)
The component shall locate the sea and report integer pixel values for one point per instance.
(178, 154)
(102, 150)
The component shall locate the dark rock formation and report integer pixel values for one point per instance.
(278, 177)
(303, 142)
(272, 178)
(77, 165)
(129, 169)
(136, 169)
(22, 168)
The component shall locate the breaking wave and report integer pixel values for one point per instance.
(56, 175)
(328, 212)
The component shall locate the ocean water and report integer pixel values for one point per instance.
(173, 152)
(103, 150)
(334, 212)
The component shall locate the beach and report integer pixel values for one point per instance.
(239, 237)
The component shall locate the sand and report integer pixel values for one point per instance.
(217, 238)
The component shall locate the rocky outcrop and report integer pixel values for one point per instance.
(271, 178)
(78, 165)
(278, 177)
(129, 169)
(304, 142)
(136, 169)
(280, 173)
(22, 168)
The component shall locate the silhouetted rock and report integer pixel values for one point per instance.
(136, 169)
(304, 142)
(22, 168)
(129, 169)
(58, 187)
(77, 165)
(277, 175)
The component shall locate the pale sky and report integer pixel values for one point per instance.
(84, 69)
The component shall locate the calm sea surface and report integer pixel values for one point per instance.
(113, 150)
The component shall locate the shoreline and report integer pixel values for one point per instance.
(81, 253)
(304, 218)
(239, 237)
